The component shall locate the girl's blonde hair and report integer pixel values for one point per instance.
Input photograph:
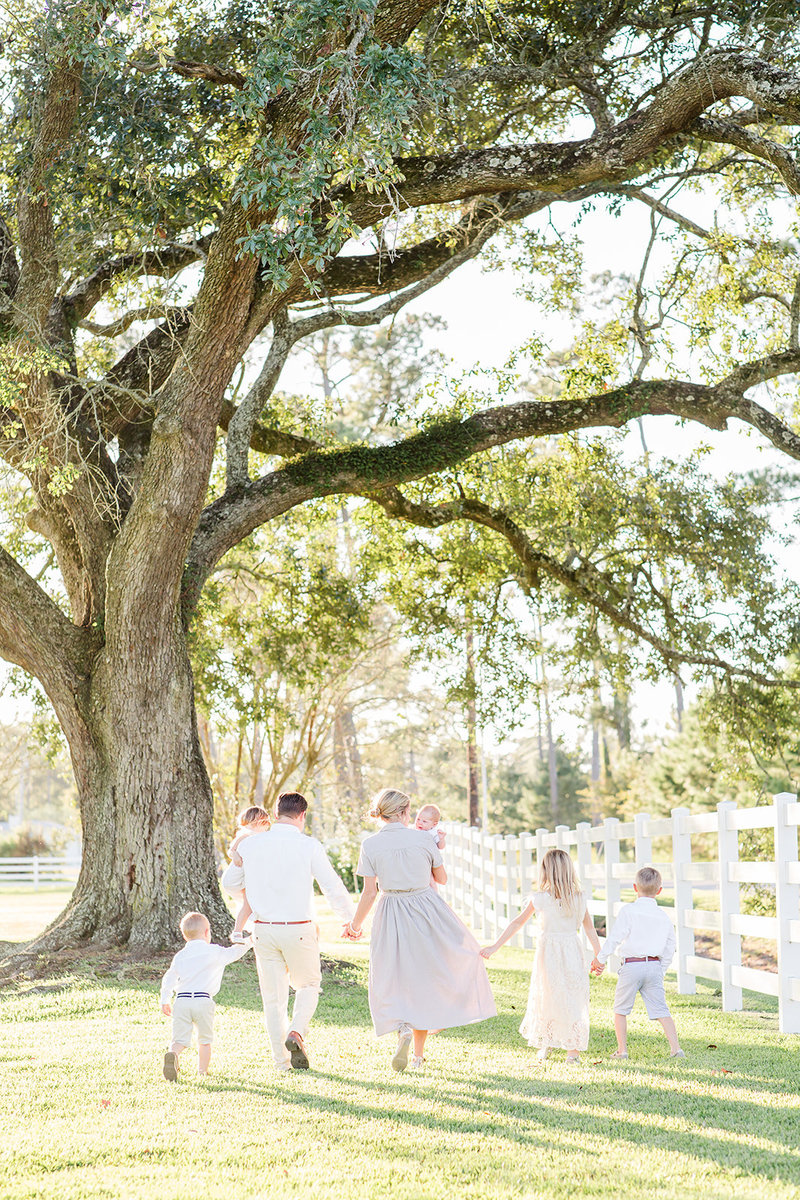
(253, 815)
(557, 876)
(388, 804)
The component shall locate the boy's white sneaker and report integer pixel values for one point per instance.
(678, 1054)
(617, 1054)
(417, 1063)
(400, 1060)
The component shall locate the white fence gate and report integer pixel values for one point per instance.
(489, 878)
(38, 870)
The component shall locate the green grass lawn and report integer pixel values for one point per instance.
(86, 1114)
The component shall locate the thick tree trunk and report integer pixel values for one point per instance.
(146, 811)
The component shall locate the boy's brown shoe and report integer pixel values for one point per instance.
(171, 1066)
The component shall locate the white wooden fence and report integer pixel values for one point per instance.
(490, 877)
(39, 870)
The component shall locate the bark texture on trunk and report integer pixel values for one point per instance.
(146, 811)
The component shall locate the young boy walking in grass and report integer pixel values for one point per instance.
(195, 973)
(643, 934)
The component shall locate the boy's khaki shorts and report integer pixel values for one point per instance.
(185, 1014)
(644, 977)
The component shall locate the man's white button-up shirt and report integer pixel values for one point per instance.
(641, 929)
(278, 873)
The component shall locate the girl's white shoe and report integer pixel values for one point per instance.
(543, 1053)
(417, 1063)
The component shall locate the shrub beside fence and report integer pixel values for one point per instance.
(490, 877)
(38, 870)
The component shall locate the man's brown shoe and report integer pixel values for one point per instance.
(296, 1047)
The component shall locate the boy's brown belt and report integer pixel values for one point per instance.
(646, 958)
(257, 922)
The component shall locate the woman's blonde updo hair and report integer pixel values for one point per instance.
(389, 804)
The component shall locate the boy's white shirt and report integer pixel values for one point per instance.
(198, 967)
(641, 930)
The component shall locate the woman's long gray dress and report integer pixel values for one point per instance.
(425, 968)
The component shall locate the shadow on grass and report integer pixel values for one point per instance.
(529, 1113)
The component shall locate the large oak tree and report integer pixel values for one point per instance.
(180, 192)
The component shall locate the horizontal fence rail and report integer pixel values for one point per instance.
(39, 869)
(491, 877)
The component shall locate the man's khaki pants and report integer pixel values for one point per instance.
(287, 954)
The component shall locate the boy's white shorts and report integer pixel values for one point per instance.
(186, 1013)
(644, 977)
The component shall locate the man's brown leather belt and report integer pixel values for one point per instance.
(647, 958)
(257, 922)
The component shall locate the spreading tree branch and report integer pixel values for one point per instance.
(38, 278)
(729, 133)
(609, 156)
(588, 585)
(35, 635)
(189, 69)
(164, 261)
(362, 469)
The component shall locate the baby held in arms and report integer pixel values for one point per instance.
(254, 819)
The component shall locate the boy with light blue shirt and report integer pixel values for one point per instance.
(643, 935)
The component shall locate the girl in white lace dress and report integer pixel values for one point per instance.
(558, 1000)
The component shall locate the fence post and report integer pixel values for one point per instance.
(498, 846)
(526, 882)
(454, 865)
(643, 844)
(512, 879)
(478, 878)
(787, 903)
(584, 850)
(612, 884)
(486, 866)
(540, 850)
(730, 943)
(561, 838)
(684, 899)
(36, 872)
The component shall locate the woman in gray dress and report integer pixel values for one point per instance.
(425, 968)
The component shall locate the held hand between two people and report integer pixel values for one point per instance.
(351, 935)
(597, 967)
